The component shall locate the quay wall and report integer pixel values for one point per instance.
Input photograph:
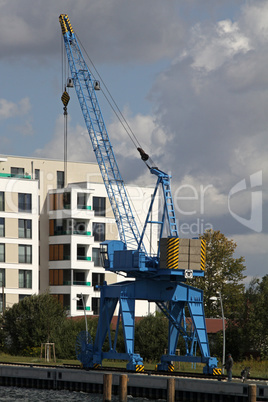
(139, 385)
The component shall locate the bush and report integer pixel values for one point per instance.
(151, 337)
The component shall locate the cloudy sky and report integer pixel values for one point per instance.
(189, 76)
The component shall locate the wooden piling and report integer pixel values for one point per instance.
(123, 388)
(252, 393)
(107, 387)
(171, 390)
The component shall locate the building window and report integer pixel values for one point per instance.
(81, 252)
(2, 201)
(37, 176)
(97, 280)
(21, 297)
(60, 179)
(25, 279)
(99, 206)
(79, 278)
(67, 200)
(81, 200)
(79, 303)
(59, 252)
(25, 254)
(15, 171)
(56, 227)
(2, 277)
(96, 305)
(2, 252)
(25, 228)
(99, 231)
(59, 201)
(63, 299)
(79, 227)
(25, 202)
(2, 227)
(96, 257)
(56, 277)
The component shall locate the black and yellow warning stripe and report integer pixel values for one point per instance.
(173, 253)
(65, 24)
(203, 255)
(139, 368)
(216, 371)
(171, 367)
(96, 366)
(65, 98)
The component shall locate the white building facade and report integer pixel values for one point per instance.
(51, 230)
(19, 243)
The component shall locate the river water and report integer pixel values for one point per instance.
(37, 395)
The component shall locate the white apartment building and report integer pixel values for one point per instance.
(18, 239)
(50, 233)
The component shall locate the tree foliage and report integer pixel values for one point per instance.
(151, 337)
(34, 320)
(251, 327)
(223, 273)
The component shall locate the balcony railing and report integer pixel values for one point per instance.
(71, 232)
(83, 258)
(69, 283)
(17, 176)
(87, 207)
(87, 308)
(82, 283)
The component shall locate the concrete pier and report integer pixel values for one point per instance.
(137, 385)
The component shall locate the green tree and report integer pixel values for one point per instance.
(223, 273)
(151, 337)
(253, 319)
(32, 321)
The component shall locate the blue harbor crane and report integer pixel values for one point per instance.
(159, 278)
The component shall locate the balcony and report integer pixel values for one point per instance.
(71, 232)
(83, 258)
(87, 308)
(16, 176)
(76, 283)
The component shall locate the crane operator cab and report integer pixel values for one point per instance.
(115, 257)
(107, 250)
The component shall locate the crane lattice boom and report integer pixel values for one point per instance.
(84, 85)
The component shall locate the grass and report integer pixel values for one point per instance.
(34, 360)
(257, 368)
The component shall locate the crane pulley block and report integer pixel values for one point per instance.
(65, 98)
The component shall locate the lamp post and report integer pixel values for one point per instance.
(214, 298)
(81, 297)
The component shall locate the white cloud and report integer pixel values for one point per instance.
(78, 144)
(10, 109)
(115, 30)
(253, 243)
(197, 196)
(151, 136)
(213, 45)
(212, 101)
(254, 21)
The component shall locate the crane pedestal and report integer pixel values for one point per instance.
(171, 298)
